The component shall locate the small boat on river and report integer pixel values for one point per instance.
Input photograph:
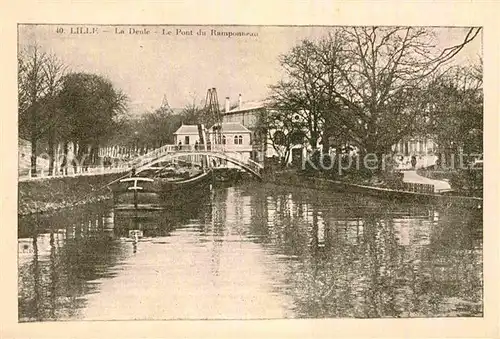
(154, 189)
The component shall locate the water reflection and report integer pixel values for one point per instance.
(59, 257)
(253, 252)
(356, 257)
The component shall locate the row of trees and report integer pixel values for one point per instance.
(150, 130)
(370, 87)
(59, 106)
(156, 128)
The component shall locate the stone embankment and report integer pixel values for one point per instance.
(49, 194)
(312, 182)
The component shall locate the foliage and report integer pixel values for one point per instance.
(362, 85)
(150, 130)
(281, 130)
(92, 106)
(468, 181)
(456, 109)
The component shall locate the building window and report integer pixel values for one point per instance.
(186, 140)
(223, 139)
(238, 140)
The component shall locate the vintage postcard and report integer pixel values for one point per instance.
(270, 172)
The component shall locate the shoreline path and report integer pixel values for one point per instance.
(439, 185)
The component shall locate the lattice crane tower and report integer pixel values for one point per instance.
(214, 116)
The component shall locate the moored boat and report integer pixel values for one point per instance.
(152, 191)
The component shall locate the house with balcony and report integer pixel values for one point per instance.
(250, 114)
(235, 137)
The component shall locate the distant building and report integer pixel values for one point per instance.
(409, 146)
(24, 158)
(235, 137)
(187, 135)
(423, 148)
(24, 149)
(249, 114)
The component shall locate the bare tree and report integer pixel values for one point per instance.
(455, 109)
(32, 88)
(54, 71)
(280, 127)
(302, 93)
(362, 84)
(384, 72)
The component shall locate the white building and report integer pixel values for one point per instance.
(423, 148)
(249, 114)
(187, 135)
(415, 146)
(246, 113)
(234, 137)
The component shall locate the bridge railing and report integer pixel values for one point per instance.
(158, 152)
(251, 164)
(221, 150)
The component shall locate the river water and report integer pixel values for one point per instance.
(255, 251)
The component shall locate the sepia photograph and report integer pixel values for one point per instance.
(249, 172)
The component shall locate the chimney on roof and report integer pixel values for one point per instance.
(239, 101)
(226, 107)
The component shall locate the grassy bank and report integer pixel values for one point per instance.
(49, 194)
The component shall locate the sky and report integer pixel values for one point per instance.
(169, 62)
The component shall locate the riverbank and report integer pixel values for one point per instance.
(440, 186)
(462, 182)
(50, 194)
(295, 179)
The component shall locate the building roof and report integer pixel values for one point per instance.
(187, 129)
(247, 106)
(233, 127)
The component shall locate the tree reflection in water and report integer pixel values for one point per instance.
(71, 251)
(356, 257)
(321, 254)
(64, 261)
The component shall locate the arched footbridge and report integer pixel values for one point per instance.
(194, 154)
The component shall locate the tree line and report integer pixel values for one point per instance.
(366, 87)
(155, 128)
(56, 106)
(369, 87)
(59, 107)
